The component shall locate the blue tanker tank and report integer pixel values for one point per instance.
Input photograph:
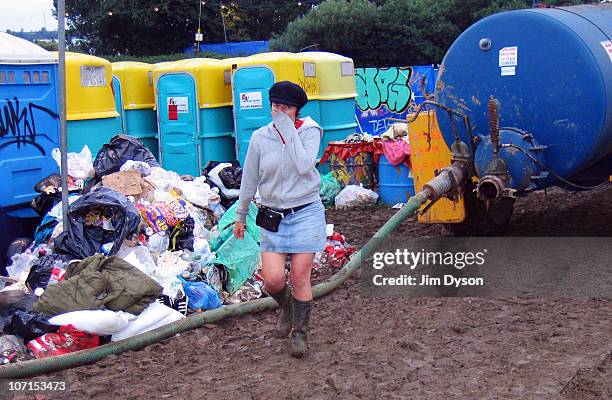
(546, 75)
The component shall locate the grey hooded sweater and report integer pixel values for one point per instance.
(285, 173)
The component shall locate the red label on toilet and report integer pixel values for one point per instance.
(172, 112)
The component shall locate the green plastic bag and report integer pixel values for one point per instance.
(240, 257)
(226, 226)
(329, 189)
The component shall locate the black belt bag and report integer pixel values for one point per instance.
(270, 218)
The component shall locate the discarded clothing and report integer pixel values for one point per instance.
(98, 282)
(44, 231)
(397, 152)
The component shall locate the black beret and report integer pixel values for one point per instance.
(288, 93)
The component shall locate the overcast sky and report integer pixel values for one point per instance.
(27, 14)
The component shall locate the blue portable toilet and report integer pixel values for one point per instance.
(252, 108)
(251, 81)
(29, 131)
(194, 107)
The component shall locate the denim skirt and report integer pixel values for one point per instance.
(299, 232)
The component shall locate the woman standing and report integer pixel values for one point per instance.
(280, 162)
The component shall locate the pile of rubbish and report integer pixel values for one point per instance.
(354, 178)
(145, 247)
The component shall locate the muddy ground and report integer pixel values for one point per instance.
(373, 348)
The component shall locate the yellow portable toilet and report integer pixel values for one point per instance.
(337, 93)
(251, 80)
(194, 107)
(91, 116)
(135, 103)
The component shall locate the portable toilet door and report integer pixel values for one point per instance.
(250, 86)
(117, 90)
(29, 131)
(177, 113)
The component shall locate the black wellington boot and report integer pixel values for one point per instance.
(285, 318)
(301, 316)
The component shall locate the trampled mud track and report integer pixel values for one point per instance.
(371, 348)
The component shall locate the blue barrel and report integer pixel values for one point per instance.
(29, 131)
(396, 183)
(551, 70)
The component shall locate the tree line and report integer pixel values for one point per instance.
(154, 27)
(372, 32)
(391, 32)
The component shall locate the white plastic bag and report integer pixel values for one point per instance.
(217, 208)
(214, 176)
(21, 264)
(140, 166)
(80, 165)
(198, 192)
(56, 211)
(353, 195)
(164, 180)
(199, 221)
(158, 242)
(139, 257)
(96, 322)
(154, 316)
(201, 247)
(169, 265)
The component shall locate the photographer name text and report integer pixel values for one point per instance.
(426, 280)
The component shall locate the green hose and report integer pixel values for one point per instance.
(52, 364)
